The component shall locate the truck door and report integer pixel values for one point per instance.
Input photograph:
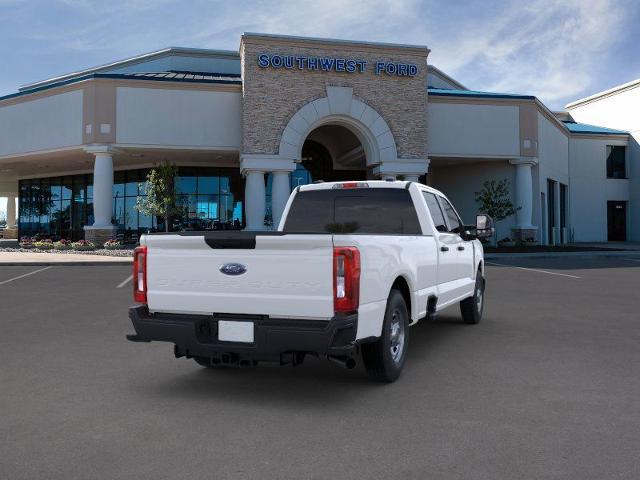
(447, 243)
(465, 266)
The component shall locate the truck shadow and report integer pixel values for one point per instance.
(311, 386)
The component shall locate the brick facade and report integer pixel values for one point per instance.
(271, 96)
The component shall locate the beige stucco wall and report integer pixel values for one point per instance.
(178, 117)
(272, 96)
(49, 122)
(460, 129)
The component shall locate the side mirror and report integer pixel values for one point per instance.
(484, 226)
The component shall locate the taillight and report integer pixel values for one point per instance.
(140, 275)
(346, 279)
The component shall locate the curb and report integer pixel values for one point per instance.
(617, 253)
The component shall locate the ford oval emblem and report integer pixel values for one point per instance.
(233, 269)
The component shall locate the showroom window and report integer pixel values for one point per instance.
(616, 161)
(59, 207)
(211, 199)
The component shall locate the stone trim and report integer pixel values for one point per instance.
(524, 161)
(402, 167)
(265, 163)
(340, 107)
(323, 43)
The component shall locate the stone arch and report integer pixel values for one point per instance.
(339, 107)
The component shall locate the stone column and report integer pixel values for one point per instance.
(11, 232)
(524, 230)
(102, 228)
(280, 191)
(254, 198)
(11, 212)
(254, 166)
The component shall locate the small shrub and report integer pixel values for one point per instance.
(83, 245)
(112, 244)
(26, 242)
(62, 245)
(46, 244)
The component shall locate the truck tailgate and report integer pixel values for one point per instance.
(286, 275)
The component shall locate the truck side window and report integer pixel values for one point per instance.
(435, 211)
(455, 225)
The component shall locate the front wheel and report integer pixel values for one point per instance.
(385, 358)
(471, 308)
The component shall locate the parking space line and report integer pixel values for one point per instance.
(125, 281)
(533, 270)
(25, 275)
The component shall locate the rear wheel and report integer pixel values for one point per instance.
(471, 308)
(385, 358)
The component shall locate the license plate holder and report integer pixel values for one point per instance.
(236, 331)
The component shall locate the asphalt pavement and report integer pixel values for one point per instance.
(546, 386)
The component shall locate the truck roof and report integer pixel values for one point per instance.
(369, 184)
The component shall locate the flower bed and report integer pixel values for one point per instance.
(122, 252)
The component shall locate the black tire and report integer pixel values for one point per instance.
(471, 308)
(385, 358)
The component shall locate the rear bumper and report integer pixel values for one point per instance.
(196, 335)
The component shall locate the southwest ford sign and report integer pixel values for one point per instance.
(334, 64)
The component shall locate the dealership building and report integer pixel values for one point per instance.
(246, 127)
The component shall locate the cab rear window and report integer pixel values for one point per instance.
(360, 210)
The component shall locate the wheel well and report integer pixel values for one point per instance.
(480, 267)
(403, 287)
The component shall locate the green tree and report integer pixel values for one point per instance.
(160, 199)
(495, 199)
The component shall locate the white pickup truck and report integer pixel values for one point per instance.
(351, 267)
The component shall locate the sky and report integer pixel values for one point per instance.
(557, 50)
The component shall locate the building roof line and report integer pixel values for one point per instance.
(132, 61)
(232, 80)
(565, 126)
(605, 93)
(445, 92)
(447, 77)
(585, 128)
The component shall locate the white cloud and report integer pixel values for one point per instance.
(548, 48)
(545, 48)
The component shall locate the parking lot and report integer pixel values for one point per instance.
(546, 386)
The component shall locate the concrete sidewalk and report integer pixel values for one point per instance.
(32, 258)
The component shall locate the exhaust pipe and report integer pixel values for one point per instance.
(348, 362)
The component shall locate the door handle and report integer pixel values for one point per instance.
(444, 249)
(460, 248)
